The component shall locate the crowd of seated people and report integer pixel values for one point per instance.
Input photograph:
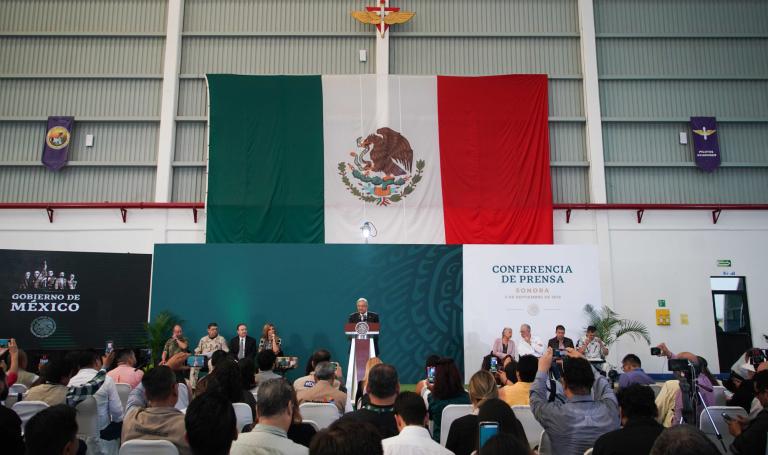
(568, 395)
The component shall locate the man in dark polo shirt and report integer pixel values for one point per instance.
(383, 387)
(637, 408)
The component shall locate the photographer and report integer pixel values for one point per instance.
(704, 381)
(751, 435)
(741, 383)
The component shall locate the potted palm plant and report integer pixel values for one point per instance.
(611, 327)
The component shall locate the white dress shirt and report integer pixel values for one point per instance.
(108, 405)
(534, 348)
(413, 440)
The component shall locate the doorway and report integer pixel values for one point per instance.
(732, 325)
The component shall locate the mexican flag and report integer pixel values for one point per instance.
(421, 159)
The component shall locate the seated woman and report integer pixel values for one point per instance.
(504, 346)
(463, 432)
(447, 389)
(270, 340)
(361, 397)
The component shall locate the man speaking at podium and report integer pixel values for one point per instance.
(363, 315)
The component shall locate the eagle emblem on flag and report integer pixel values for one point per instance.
(57, 137)
(381, 168)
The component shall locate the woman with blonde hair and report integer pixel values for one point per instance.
(361, 397)
(270, 340)
(463, 433)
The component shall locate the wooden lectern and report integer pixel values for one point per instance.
(361, 349)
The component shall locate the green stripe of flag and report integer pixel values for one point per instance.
(265, 159)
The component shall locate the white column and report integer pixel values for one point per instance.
(594, 134)
(170, 95)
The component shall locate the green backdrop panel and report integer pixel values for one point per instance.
(308, 291)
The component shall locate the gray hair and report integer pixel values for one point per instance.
(273, 397)
(324, 371)
(526, 326)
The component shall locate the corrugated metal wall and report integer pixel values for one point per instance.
(661, 62)
(100, 61)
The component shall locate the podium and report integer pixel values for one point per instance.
(360, 350)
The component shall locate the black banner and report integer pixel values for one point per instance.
(65, 300)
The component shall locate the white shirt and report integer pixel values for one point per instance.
(108, 405)
(413, 440)
(535, 347)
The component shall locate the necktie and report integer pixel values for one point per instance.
(241, 354)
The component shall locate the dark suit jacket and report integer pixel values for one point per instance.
(251, 346)
(637, 437)
(567, 342)
(355, 317)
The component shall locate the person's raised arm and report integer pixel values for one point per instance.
(543, 410)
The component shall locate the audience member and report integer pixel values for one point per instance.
(275, 412)
(210, 425)
(10, 424)
(360, 397)
(53, 388)
(175, 344)
(504, 346)
(159, 419)
(705, 380)
(431, 361)
(216, 359)
(308, 380)
(265, 360)
(637, 410)
(92, 373)
(591, 345)
(12, 368)
(751, 435)
(411, 419)
(495, 410)
(741, 381)
(505, 444)
(683, 440)
(462, 435)
(633, 373)
(242, 345)
(25, 377)
(587, 411)
(211, 342)
(248, 374)
(299, 431)
(323, 391)
(529, 344)
(53, 431)
(560, 341)
(126, 372)
(226, 380)
(347, 437)
(382, 390)
(447, 389)
(518, 394)
(139, 398)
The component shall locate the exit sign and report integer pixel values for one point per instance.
(723, 262)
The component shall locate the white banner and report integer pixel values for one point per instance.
(539, 285)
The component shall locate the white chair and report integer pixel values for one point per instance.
(143, 447)
(26, 409)
(588, 452)
(17, 389)
(323, 414)
(720, 397)
(87, 419)
(311, 422)
(656, 389)
(123, 390)
(531, 426)
(722, 426)
(451, 413)
(244, 415)
(545, 446)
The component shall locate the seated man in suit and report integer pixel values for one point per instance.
(363, 315)
(242, 345)
(560, 341)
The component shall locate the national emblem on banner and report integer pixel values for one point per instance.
(382, 168)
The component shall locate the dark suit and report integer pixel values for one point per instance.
(251, 346)
(554, 344)
(372, 318)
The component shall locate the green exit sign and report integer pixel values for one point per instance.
(662, 303)
(723, 262)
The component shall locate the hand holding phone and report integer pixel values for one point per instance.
(487, 430)
(430, 375)
(494, 364)
(656, 351)
(109, 347)
(727, 417)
